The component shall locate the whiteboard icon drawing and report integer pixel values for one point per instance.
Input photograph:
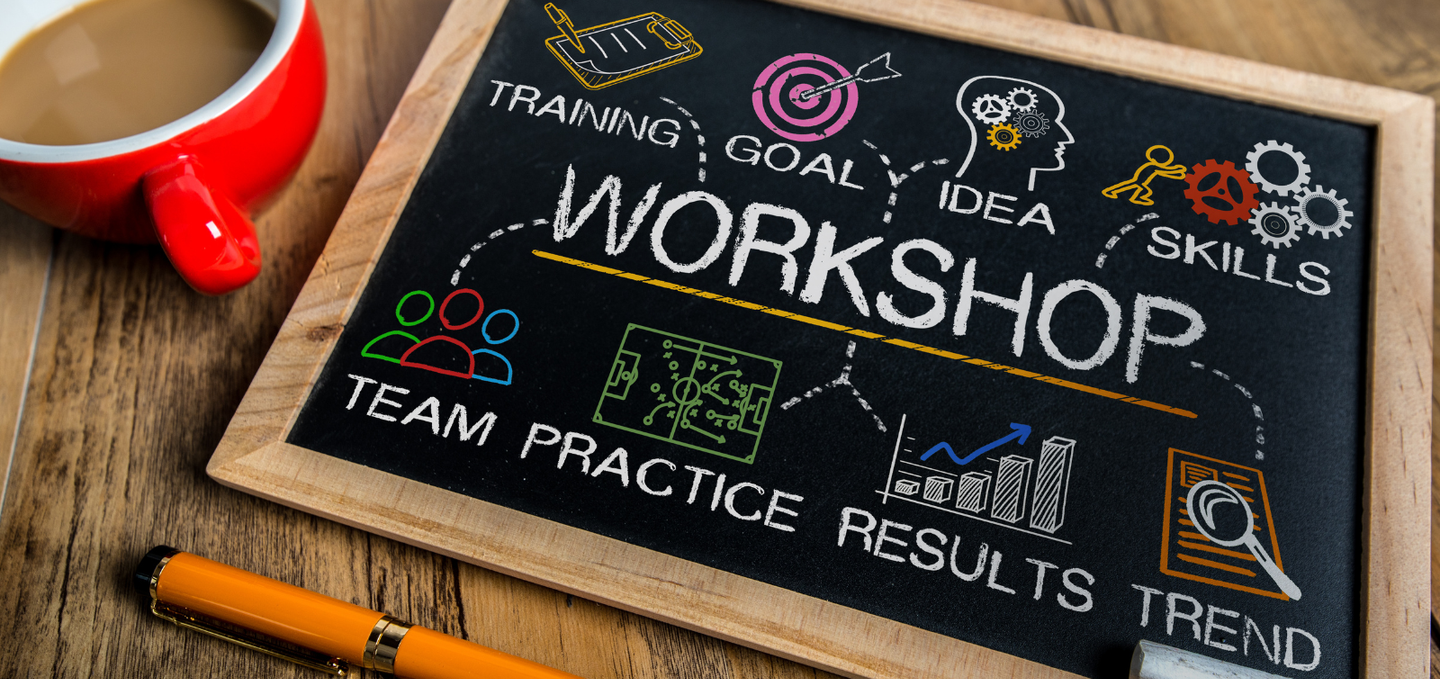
(1205, 500)
(809, 97)
(1017, 107)
(608, 54)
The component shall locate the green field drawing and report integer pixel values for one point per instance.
(688, 392)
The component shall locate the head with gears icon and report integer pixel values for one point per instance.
(1015, 125)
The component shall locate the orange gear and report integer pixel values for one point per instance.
(1222, 191)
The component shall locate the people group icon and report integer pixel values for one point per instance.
(1140, 191)
(444, 354)
(1014, 123)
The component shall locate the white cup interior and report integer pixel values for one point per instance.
(18, 18)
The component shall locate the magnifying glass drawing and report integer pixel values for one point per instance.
(1205, 497)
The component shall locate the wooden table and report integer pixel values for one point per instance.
(116, 382)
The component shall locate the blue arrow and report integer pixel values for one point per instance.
(1022, 432)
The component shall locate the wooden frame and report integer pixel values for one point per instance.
(253, 455)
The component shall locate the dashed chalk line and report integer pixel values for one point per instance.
(465, 261)
(1254, 407)
(694, 125)
(897, 179)
(842, 381)
(1115, 239)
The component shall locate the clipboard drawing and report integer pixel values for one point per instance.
(601, 56)
(1198, 545)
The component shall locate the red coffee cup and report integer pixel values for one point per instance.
(188, 184)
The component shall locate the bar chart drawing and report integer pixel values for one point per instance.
(937, 488)
(1010, 482)
(1052, 484)
(974, 492)
(1022, 492)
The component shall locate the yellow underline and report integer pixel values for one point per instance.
(828, 325)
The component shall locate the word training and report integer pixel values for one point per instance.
(607, 120)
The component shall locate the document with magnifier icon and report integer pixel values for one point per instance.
(1187, 552)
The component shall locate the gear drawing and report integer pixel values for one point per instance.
(1302, 169)
(1223, 190)
(1003, 137)
(991, 109)
(1023, 93)
(1274, 225)
(1305, 215)
(1032, 123)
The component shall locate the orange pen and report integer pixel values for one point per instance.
(311, 629)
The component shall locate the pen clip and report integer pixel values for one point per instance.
(253, 641)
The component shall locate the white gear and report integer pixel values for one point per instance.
(1032, 124)
(1305, 217)
(1274, 225)
(1030, 99)
(991, 109)
(1302, 170)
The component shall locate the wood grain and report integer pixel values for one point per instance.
(136, 378)
(24, 266)
(252, 456)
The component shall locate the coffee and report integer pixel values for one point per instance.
(113, 68)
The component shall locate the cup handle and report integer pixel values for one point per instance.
(209, 240)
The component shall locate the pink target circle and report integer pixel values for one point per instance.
(770, 96)
(833, 98)
(794, 97)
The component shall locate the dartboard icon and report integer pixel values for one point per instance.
(781, 103)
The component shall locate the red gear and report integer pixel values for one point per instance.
(1240, 206)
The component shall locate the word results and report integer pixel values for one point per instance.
(932, 550)
(926, 297)
(606, 120)
(1184, 617)
(742, 500)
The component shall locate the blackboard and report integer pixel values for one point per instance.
(955, 345)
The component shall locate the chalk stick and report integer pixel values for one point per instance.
(1158, 661)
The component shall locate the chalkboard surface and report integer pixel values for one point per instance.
(1029, 355)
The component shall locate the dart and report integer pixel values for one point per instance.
(883, 72)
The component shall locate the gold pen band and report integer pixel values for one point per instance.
(239, 636)
(384, 643)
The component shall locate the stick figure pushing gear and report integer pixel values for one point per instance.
(1302, 170)
(1274, 225)
(991, 109)
(1003, 137)
(1305, 212)
(1232, 188)
(1160, 161)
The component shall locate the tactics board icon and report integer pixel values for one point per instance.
(688, 392)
